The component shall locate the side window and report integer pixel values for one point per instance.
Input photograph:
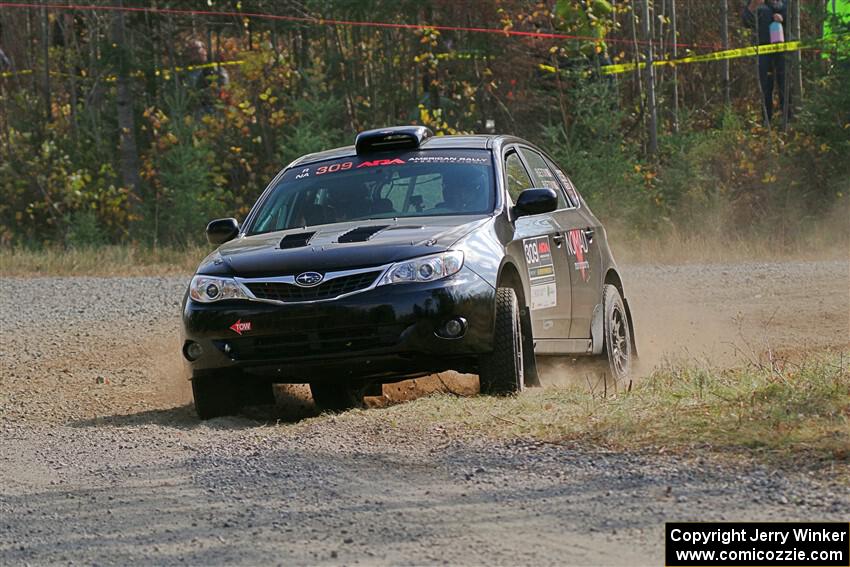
(543, 175)
(517, 177)
(567, 183)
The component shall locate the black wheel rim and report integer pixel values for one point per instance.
(620, 346)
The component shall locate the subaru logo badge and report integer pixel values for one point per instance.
(309, 279)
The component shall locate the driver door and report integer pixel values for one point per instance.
(539, 242)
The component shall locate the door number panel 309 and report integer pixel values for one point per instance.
(541, 272)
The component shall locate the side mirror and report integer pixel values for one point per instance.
(220, 231)
(536, 201)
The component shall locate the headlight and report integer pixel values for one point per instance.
(207, 289)
(424, 269)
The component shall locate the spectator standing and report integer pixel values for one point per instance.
(767, 18)
(204, 84)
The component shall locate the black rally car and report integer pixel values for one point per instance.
(404, 255)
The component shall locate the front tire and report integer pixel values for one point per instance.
(215, 395)
(618, 339)
(501, 372)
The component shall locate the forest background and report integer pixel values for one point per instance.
(110, 133)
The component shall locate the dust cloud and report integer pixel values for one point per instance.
(711, 314)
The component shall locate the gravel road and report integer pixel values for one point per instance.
(103, 462)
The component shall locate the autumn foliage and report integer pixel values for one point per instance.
(208, 139)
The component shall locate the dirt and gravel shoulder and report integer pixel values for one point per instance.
(103, 461)
(359, 489)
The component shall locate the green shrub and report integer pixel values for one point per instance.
(85, 230)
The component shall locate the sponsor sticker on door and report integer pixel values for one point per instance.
(541, 272)
(577, 242)
(544, 296)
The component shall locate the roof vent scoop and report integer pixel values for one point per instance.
(394, 138)
(296, 240)
(361, 233)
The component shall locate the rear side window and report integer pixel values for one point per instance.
(567, 183)
(381, 185)
(518, 179)
(543, 175)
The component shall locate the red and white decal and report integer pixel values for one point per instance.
(334, 167)
(577, 241)
(541, 272)
(239, 327)
(378, 162)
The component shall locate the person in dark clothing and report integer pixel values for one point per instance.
(203, 84)
(760, 15)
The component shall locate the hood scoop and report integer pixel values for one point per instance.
(361, 233)
(406, 227)
(297, 240)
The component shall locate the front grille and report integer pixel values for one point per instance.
(280, 291)
(307, 343)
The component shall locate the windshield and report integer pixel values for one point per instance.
(378, 186)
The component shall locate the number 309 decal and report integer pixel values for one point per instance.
(334, 167)
(532, 256)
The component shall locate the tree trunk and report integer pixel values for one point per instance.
(32, 57)
(349, 100)
(637, 60)
(652, 122)
(724, 32)
(45, 44)
(797, 56)
(71, 69)
(128, 153)
(675, 67)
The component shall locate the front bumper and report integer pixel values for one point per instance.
(384, 334)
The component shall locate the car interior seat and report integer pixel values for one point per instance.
(382, 205)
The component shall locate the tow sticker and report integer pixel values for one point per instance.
(541, 272)
(239, 327)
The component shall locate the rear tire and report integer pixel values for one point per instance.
(618, 339)
(330, 396)
(501, 372)
(215, 395)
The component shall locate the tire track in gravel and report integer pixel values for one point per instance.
(359, 488)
